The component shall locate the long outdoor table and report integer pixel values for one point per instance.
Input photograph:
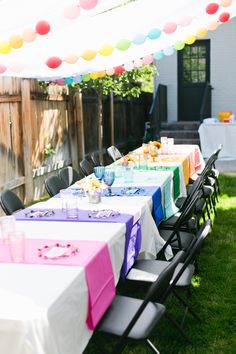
(47, 308)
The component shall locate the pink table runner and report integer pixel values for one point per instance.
(93, 256)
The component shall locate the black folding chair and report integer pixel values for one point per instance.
(134, 319)
(69, 175)
(148, 270)
(10, 202)
(114, 153)
(175, 236)
(95, 158)
(53, 185)
(86, 167)
(193, 223)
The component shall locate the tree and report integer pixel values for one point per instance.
(127, 84)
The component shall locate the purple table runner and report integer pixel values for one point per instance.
(133, 229)
(153, 191)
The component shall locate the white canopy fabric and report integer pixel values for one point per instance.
(92, 36)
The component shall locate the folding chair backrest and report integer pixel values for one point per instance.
(95, 158)
(188, 212)
(197, 184)
(86, 167)
(10, 202)
(53, 185)
(193, 251)
(218, 150)
(69, 175)
(114, 153)
(157, 290)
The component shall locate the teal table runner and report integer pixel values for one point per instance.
(176, 177)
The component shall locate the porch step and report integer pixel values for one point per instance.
(181, 125)
(187, 141)
(182, 132)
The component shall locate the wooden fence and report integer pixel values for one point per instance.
(34, 119)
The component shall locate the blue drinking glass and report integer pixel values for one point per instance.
(99, 172)
(108, 178)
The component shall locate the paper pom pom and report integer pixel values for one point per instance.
(88, 4)
(170, 27)
(119, 69)
(89, 54)
(106, 49)
(3, 68)
(139, 39)
(71, 59)
(201, 32)
(29, 35)
(154, 33)
(129, 66)
(16, 41)
(158, 55)
(123, 44)
(185, 21)
(212, 8)
(77, 79)
(110, 72)
(190, 39)
(138, 63)
(148, 59)
(60, 82)
(71, 12)
(42, 27)
(226, 3)
(213, 25)
(224, 17)
(179, 45)
(53, 62)
(94, 75)
(168, 51)
(5, 48)
(68, 80)
(86, 77)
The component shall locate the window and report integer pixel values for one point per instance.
(194, 64)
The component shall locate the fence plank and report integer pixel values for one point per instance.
(78, 112)
(27, 139)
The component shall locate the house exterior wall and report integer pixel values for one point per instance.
(222, 72)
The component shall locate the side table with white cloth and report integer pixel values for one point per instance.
(214, 134)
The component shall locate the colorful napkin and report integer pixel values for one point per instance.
(93, 256)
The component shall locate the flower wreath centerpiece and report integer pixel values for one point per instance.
(156, 143)
(129, 160)
(93, 188)
(154, 146)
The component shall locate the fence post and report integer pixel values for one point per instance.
(27, 139)
(78, 113)
(73, 133)
(112, 118)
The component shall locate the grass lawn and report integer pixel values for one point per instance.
(213, 295)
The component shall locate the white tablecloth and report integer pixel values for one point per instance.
(58, 295)
(43, 309)
(212, 135)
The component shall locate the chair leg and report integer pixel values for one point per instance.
(187, 305)
(180, 329)
(152, 346)
(207, 210)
